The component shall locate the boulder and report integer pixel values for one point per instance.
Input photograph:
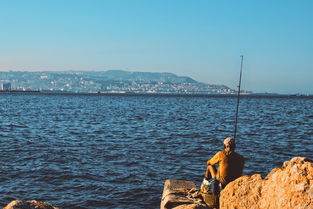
(29, 204)
(179, 194)
(288, 187)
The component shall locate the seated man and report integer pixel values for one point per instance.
(230, 164)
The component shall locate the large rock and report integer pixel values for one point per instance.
(30, 204)
(289, 187)
(179, 194)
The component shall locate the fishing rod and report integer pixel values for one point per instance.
(238, 96)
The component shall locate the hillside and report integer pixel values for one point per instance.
(109, 81)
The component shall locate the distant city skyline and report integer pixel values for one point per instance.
(201, 39)
(114, 81)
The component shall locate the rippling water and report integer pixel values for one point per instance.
(80, 151)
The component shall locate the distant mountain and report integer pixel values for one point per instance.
(109, 81)
(122, 75)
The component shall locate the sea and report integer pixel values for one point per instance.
(79, 151)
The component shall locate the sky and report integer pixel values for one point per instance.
(202, 39)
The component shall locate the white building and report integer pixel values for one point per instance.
(6, 87)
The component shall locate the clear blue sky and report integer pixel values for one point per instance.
(202, 39)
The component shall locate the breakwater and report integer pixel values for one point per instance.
(287, 187)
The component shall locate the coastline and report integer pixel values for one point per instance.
(252, 95)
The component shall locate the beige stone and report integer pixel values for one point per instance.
(179, 194)
(289, 187)
(30, 204)
(191, 206)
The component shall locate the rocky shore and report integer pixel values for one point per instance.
(288, 187)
